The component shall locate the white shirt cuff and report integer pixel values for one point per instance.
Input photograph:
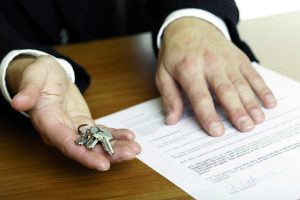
(193, 12)
(11, 55)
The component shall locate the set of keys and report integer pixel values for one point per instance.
(90, 135)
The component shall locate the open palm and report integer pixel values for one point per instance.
(56, 108)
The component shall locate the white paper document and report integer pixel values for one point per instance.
(261, 164)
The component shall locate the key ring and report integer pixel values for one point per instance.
(91, 135)
(83, 125)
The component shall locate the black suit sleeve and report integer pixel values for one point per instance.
(10, 40)
(225, 9)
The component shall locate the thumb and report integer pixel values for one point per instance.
(171, 96)
(31, 85)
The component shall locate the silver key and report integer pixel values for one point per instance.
(83, 137)
(90, 135)
(91, 143)
(81, 140)
(104, 137)
(87, 140)
(107, 146)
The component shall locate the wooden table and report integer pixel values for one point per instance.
(123, 71)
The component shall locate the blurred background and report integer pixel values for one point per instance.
(261, 8)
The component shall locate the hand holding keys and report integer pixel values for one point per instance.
(90, 135)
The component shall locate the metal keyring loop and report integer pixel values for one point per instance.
(82, 125)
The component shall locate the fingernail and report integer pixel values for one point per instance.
(18, 95)
(271, 101)
(103, 168)
(216, 129)
(245, 123)
(131, 157)
(257, 115)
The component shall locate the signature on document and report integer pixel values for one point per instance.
(247, 182)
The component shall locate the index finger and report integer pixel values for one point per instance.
(191, 78)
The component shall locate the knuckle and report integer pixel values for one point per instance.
(209, 58)
(240, 59)
(240, 56)
(225, 89)
(186, 67)
(215, 79)
(200, 98)
(241, 84)
(214, 62)
(256, 79)
(188, 62)
(244, 60)
(169, 98)
(48, 60)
